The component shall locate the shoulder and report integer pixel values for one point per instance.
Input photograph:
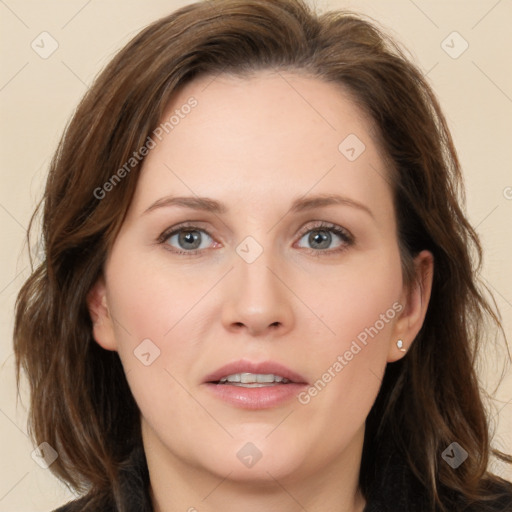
(496, 497)
(396, 488)
(499, 497)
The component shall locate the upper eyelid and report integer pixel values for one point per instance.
(320, 224)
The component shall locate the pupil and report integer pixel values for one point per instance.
(189, 237)
(322, 238)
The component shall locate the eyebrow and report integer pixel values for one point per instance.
(299, 205)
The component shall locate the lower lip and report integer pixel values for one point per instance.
(256, 398)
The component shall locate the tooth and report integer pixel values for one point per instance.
(256, 384)
(253, 378)
(265, 378)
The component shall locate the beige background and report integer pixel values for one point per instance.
(37, 97)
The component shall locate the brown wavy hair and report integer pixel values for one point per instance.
(80, 400)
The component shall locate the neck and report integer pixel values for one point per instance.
(178, 485)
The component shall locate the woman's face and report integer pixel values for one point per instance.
(287, 266)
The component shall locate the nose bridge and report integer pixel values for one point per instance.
(258, 298)
(253, 270)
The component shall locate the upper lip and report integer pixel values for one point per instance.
(265, 367)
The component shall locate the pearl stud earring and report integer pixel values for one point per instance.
(400, 345)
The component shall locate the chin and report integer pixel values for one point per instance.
(262, 474)
(256, 463)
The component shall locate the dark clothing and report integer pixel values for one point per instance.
(398, 491)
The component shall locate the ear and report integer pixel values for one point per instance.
(415, 300)
(102, 324)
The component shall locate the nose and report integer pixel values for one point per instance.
(258, 299)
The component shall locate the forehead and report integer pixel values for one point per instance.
(264, 137)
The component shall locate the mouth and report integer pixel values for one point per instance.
(245, 373)
(251, 385)
(253, 380)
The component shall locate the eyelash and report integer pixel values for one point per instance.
(344, 234)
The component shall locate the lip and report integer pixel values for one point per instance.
(259, 397)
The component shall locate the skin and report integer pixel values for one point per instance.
(256, 144)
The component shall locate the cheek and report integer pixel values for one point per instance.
(359, 310)
(157, 328)
(149, 300)
(156, 313)
(359, 301)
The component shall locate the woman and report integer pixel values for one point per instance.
(258, 290)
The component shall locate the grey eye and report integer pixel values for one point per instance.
(321, 238)
(189, 239)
